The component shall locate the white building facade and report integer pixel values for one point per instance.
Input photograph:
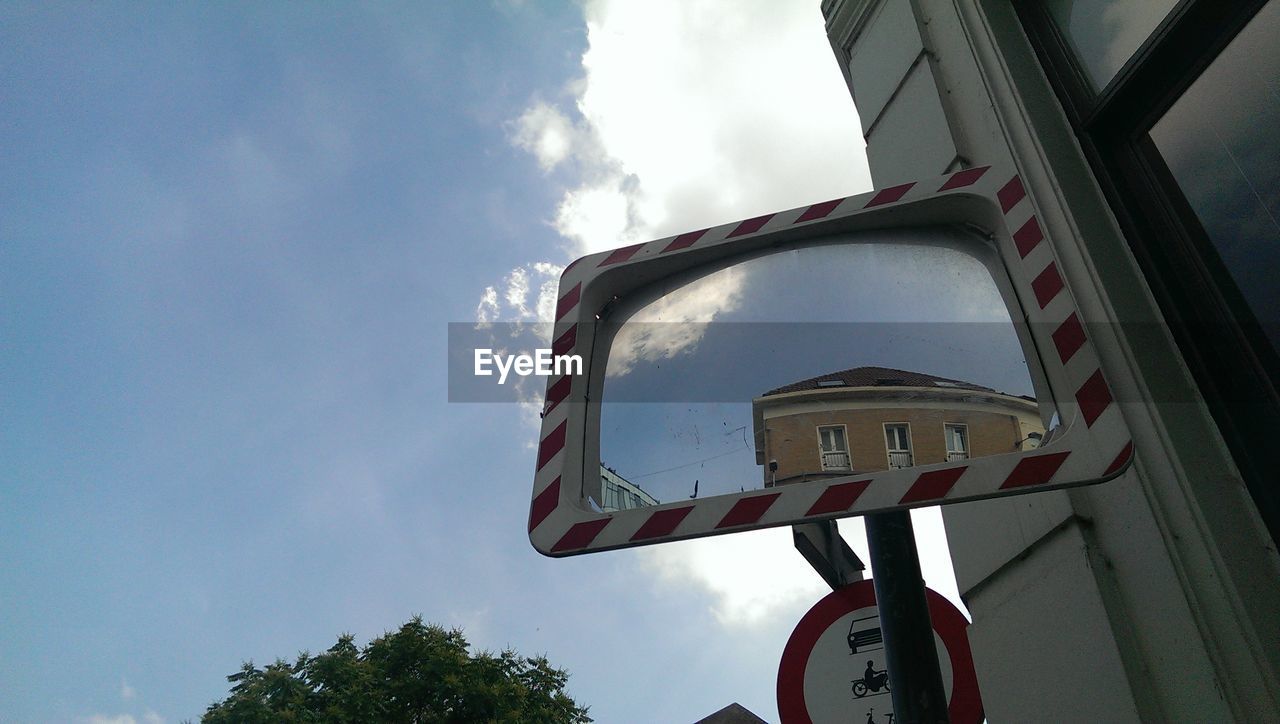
(1146, 136)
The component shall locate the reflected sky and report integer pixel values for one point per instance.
(1219, 142)
(1104, 34)
(677, 409)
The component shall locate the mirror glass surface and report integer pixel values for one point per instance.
(844, 357)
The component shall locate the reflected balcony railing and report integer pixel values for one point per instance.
(899, 459)
(837, 460)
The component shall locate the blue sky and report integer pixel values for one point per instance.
(232, 237)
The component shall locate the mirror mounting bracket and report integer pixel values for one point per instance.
(825, 549)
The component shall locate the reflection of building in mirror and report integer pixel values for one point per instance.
(867, 419)
(618, 493)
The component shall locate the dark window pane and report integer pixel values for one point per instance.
(1221, 141)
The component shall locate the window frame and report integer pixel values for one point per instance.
(1232, 361)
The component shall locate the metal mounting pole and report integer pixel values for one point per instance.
(915, 682)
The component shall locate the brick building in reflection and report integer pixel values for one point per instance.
(867, 419)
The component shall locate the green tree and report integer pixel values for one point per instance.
(421, 674)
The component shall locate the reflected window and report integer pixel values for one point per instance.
(1104, 34)
(618, 493)
(834, 448)
(898, 444)
(1219, 141)
(957, 442)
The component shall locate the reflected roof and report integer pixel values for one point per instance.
(875, 377)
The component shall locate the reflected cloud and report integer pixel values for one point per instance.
(683, 316)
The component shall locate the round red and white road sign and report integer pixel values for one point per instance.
(833, 667)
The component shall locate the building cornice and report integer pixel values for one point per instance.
(846, 20)
(899, 394)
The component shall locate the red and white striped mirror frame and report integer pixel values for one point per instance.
(1095, 444)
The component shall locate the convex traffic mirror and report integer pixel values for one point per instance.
(912, 346)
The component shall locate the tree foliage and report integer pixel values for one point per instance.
(421, 674)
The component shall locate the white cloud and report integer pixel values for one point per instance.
(545, 308)
(487, 309)
(518, 290)
(753, 578)
(692, 113)
(546, 133)
(696, 113)
(714, 111)
(596, 216)
(758, 577)
(127, 693)
(513, 304)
